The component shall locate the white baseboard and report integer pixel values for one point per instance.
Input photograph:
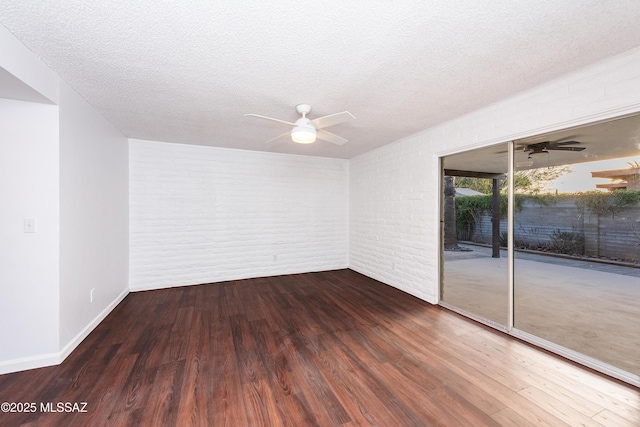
(50, 359)
(71, 345)
(30, 362)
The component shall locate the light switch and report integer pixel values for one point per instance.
(29, 225)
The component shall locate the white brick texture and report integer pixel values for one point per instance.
(394, 190)
(390, 237)
(202, 214)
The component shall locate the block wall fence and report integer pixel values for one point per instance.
(610, 235)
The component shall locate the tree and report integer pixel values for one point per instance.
(531, 181)
(478, 184)
(536, 181)
(450, 231)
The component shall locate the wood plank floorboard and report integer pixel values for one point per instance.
(321, 349)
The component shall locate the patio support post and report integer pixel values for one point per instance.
(495, 219)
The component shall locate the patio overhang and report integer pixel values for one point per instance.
(474, 174)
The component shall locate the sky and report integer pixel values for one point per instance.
(580, 178)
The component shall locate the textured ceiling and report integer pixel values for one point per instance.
(188, 71)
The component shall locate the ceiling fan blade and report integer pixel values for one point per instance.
(328, 136)
(549, 144)
(271, 118)
(278, 137)
(564, 143)
(565, 148)
(332, 119)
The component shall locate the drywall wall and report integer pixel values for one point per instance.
(94, 218)
(203, 214)
(66, 167)
(403, 208)
(28, 261)
(23, 68)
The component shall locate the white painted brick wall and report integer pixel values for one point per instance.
(389, 233)
(394, 212)
(202, 214)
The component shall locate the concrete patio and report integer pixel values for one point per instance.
(589, 307)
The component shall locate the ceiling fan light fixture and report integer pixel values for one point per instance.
(305, 131)
(524, 164)
(303, 134)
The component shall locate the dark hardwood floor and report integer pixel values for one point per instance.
(318, 349)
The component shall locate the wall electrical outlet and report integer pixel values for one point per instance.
(92, 295)
(29, 225)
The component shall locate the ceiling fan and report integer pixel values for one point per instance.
(305, 131)
(544, 148)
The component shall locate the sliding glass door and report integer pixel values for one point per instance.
(475, 271)
(566, 275)
(577, 241)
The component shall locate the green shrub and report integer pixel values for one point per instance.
(567, 242)
(601, 203)
(504, 239)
